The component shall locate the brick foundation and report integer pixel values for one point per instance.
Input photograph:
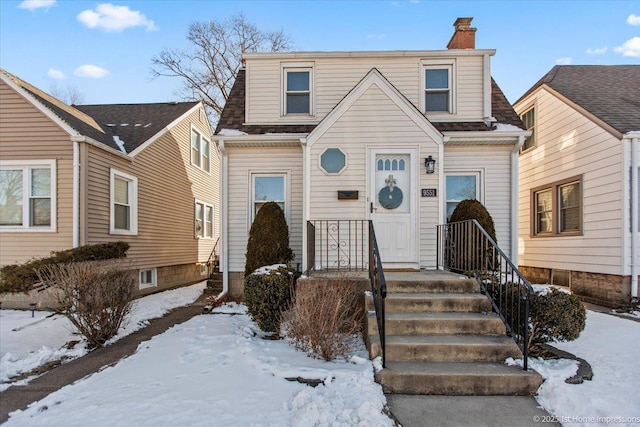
(609, 290)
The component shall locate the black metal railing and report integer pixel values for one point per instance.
(378, 287)
(349, 245)
(465, 247)
(212, 261)
(339, 245)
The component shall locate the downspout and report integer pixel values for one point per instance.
(305, 202)
(514, 198)
(224, 236)
(634, 216)
(76, 194)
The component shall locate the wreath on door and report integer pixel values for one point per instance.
(390, 197)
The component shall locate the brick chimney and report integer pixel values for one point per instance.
(464, 37)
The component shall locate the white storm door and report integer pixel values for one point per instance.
(393, 203)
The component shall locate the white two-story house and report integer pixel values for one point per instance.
(397, 138)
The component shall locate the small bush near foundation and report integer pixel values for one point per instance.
(268, 295)
(23, 277)
(323, 317)
(268, 239)
(555, 316)
(95, 296)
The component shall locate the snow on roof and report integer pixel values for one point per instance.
(502, 127)
(231, 132)
(119, 143)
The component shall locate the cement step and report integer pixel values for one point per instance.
(445, 348)
(455, 378)
(438, 323)
(462, 285)
(443, 302)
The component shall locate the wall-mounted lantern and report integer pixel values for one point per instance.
(430, 164)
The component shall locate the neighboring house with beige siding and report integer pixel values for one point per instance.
(579, 181)
(346, 136)
(147, 174)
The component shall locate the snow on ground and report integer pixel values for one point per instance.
(611, 346)
(216, 370)
(27, 343)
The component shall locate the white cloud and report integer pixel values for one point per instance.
(564, 61)
(36, 4)
(633, 19)
(90, 71)
(597, 51)
(629, 48)
(55, 74)
(110, 17)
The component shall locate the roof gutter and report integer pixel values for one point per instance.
(100, 145)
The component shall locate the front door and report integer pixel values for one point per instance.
(392, 204)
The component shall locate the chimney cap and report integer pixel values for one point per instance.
(463, 23)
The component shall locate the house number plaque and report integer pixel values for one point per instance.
(429, 192)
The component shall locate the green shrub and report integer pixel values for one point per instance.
(555, 316)
(268, 239)
(22, 277)
(465, 257)
(268, 295)
(94, 295)
(324, 317)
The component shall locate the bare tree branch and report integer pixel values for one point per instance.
(69, 94)
(208, 68)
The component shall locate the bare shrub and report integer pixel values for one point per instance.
(324, 317)
(95, 296)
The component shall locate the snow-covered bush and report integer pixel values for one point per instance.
(267, 294)
(323, 317)
(555, 316)
(95, 296)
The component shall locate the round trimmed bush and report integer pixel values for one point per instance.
(268, 239)
(268, 295)
(473, 209)
(556, 315)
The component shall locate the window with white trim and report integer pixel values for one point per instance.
(266, 187)
(124, 203)
(148, 278)
(438, 89)
(529, 120)
(200, 151)
(297, 91)
(459, 187)
(556, 208)
(203, 220)
(28, 195)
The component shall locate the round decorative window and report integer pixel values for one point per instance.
(333, 160)
(390, 197)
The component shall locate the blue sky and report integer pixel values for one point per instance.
(104, 49)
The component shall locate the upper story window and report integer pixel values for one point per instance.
(438, 89)
(557, 208)
(28, 195)
(124, 203)
(528, 119)
(297, 89)
(200, 151)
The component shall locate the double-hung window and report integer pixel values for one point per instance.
(298, 85)
(28, 195)
(124, 203)
(200, 151)
(265, 188)
(557, 208)
(203, 220)
(528, 119)
(461, 186)
(438, 89)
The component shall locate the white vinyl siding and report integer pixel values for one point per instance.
(242, 166)
(569, 144)
(333, 78)
(28, 195)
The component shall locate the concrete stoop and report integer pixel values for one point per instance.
(443, 339)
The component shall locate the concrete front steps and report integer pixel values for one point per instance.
(443, 339)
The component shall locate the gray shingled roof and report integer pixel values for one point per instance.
(135, 123)
(233, 115)
(610, 92)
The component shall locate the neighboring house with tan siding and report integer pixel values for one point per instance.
(147, 174)
(346, 136)
(579, 181)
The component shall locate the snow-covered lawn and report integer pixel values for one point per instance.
(218, 370)
(29, 342)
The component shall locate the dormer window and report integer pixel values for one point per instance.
(438, 87)
(298, 90)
